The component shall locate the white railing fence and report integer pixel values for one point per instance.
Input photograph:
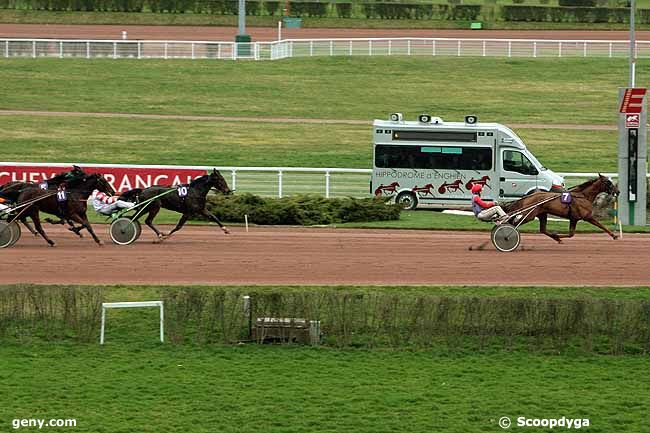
(135, 49)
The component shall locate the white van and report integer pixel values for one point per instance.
(432, 162)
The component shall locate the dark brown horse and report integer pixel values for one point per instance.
(185, 199)
(574, 205)
(69, 206)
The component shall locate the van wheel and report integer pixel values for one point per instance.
(407, 200)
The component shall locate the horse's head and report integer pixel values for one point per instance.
(218, 182)
(98, 182)
(608, 186)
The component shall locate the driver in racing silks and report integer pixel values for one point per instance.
(485, 211)
(106, 205)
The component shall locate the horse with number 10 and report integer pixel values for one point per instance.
(187, 200)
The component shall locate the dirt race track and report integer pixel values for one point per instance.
(213, 33)
(204, 255)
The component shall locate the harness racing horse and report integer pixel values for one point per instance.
(187, 199)
(11, 190)
(69, 204)
(579, 207)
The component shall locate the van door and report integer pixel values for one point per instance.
(518, 174)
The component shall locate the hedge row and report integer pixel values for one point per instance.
(571, 14)
(300, 210)
(231, 7)
(349, 318)
(381, 319)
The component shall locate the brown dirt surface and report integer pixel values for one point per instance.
(311, 256)
(208, 33)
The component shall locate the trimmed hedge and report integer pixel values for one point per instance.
(300, 210)
(570, 14)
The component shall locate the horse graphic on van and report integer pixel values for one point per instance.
(423, 191)
(449, 187)
(387, 189)
(481, 181)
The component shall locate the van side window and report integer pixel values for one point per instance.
(434, 157)
(517, 162)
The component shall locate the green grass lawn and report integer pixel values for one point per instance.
(554, 91)
(549, 91)
(127, 387)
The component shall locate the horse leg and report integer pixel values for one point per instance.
(180, 225)
(572, 229)
(83, 220)
(594, 221)
(210, 215)
(29, 226)
(154, 208)
(37, 223)
(542, 228)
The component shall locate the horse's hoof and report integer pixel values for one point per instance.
(100, 243)
(52, 244)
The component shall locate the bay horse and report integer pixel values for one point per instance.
(74, 208)
(550, 203)
(11, 190)
(187, 200)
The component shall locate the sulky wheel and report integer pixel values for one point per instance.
(6, 235)
(15, 229)
(505, 237)
(125, 231)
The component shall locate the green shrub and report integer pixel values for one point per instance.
(271, 7)
(584, 3)
(465, 12)
(300, 210)
(566, 14)
(344, 10)
(312, 9)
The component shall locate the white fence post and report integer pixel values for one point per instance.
(139, 50)
(327, 184)
(433, 47)
(7, 48)
(115, 50)
(311, 48)
(610, 49)
(559, 49)
(370, 47)
(193, 56)
(409, 47)
(350, 47)
(34, 49)
(165, 50)
(88, 49)
(458, 47)
(509, 48)
(484, 48)
(331, 48)
(535, 49)
(584, 52)
(390, 46)
(233, 183)
(280, 183)
(60, 49)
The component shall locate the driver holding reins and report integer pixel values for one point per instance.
(106, 204)
(485, 211)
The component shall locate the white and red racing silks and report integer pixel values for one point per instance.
(103, 198)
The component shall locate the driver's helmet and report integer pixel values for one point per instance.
(477, 188)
